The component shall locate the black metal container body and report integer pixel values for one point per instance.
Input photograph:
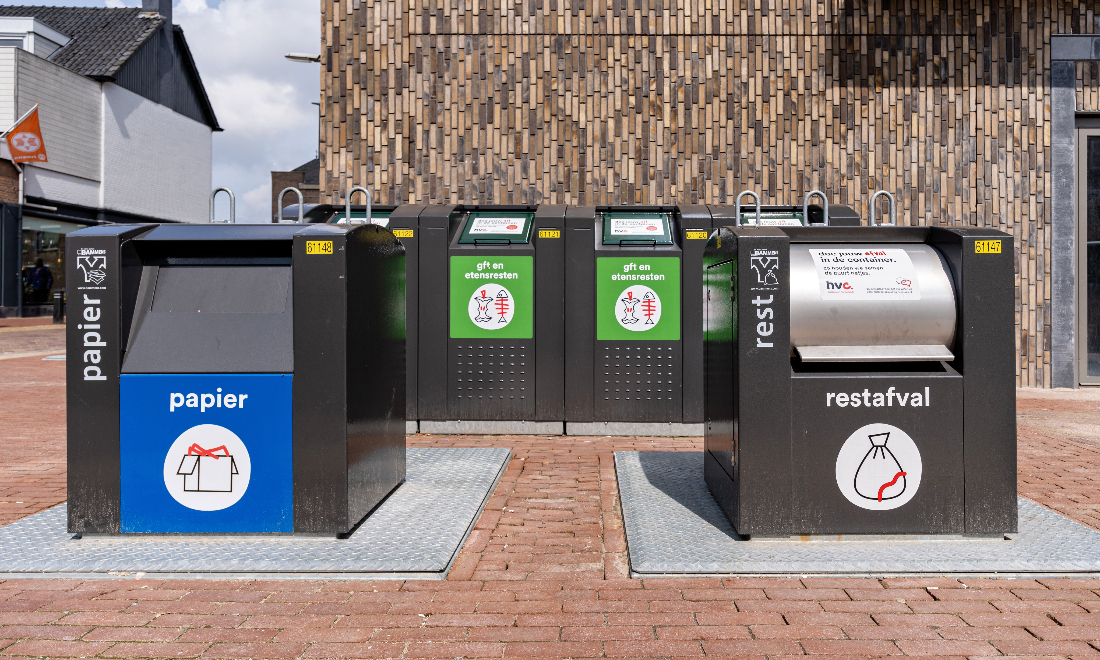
(349, 379)
(774, 429)
(695, 228)
(404, 223)
(620, 380)
(985, 355)
(105, 299)
(348, 387)
(489, 378)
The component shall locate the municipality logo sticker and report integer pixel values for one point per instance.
(491, 307)
(207, 468)
(638, 308)
(879, 468)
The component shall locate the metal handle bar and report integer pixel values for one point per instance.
(737, 208)
(232, 207)
(301, 203)
(806, 207)
(893, 209)
(347, 203)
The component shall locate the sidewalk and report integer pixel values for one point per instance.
(544, 573)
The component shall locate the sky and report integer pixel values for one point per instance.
(263, 101)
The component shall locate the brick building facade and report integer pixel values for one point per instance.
(946, 105)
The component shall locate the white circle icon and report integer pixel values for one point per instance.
(879, 468)
(638, 308)
(207, 468)
(491, 307)
(28, 143)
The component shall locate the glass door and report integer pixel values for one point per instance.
(1088, 257)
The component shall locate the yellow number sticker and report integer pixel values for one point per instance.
(318, 247)
(403, 233)
(696, 234)
(987, 247)
(549, 233)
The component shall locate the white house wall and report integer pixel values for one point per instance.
(69, 112)
(39, 182)
(157, 161)
(7, 87)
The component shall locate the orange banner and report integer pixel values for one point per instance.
(25, 140)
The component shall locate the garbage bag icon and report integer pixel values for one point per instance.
(880, 476)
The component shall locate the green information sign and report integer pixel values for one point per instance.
(637, 298)
(492, 297)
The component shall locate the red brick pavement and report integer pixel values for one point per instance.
(544, 574)
(17, 342)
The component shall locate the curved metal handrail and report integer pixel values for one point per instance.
(232, 207)
(737, 207)
(806, 207)
(301, 203)
(893, 209)
(347, 204)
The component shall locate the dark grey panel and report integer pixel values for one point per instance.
(222, 289)
(212, 343)
(638, 381)
(1063, 230)
(819, 430)
(549, 313)
(985, 351)
(719, 356)
(491, 379)
(375, 368)
(691, 301)
(433, 328)
(11, 246)
(93, 340)
(321, 398)
(407, 217)
(580, 296)
(762, 428)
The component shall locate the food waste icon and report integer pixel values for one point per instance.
(638, 308)
(207, 470)
(491, 307)
(879, 475)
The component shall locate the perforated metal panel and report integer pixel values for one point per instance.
(639, 381)
(491, 379)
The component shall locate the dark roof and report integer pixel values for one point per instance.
(103, 39)
(312, 171)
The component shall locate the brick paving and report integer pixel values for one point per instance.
(19, 341)
(544, 573)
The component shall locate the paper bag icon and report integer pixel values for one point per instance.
(205, 471)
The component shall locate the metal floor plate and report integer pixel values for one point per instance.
(415, 533)
(675, 527)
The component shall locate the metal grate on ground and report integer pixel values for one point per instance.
(674, 527)
(414, 534)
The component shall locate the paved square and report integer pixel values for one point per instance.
(414, 534)
(675, 527)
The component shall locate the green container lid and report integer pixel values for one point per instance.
(498, 227)
(647, 228)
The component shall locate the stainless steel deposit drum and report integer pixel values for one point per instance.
(871, 303)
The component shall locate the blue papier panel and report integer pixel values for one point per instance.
(206, 453)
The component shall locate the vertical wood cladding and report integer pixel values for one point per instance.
(944, 104)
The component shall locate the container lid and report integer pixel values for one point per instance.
(621, 228)
(494, 227)
(376, 217)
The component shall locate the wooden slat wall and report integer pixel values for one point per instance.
(944, 104)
